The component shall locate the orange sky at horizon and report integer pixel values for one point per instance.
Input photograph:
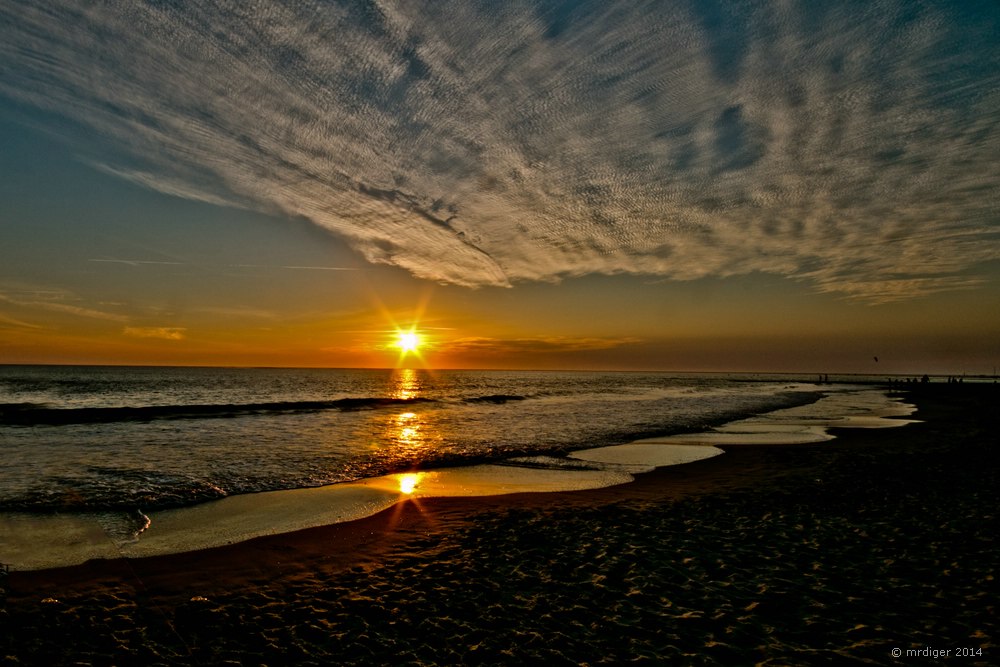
(464, 341)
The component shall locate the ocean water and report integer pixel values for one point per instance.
(104, 462)
(100, 438)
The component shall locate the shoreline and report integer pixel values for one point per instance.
(721, 540)
(408, 517)
(42, 542)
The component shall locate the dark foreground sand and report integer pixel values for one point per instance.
(834, 553)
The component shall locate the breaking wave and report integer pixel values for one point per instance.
(33, 414)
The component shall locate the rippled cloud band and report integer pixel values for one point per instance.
(851, 144)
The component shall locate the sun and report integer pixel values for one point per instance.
(412, 345)
(408, 341)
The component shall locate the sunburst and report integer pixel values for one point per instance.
(408, 341)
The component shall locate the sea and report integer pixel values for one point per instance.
(123, 443)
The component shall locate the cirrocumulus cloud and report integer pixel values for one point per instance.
(853, 144)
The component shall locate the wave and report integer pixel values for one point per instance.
(37, 414)
(33, 414)
(458, 427)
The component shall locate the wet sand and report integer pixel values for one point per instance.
(801, 554)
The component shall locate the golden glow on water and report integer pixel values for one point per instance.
(406, 384)
(405, 429)
(408, 432)
(405, 438)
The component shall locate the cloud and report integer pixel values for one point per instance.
(296, 268)
(852, 144)
(6, 322)
(165, 333)
(52, 301)
(240, 312)
(144, 262)
(533, 345)
(135, 262)
(167, 185)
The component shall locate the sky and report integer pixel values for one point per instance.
(688, 185)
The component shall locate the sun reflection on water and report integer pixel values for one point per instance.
(405, 384)
(408, 482)
(407, 429)
(411, 437)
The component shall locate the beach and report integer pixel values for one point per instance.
(826, 553)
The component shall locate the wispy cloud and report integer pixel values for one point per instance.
(534, 345)
(144, 262)
(847, 143)
(135, 262)
(295, 268)
(81, 311)
(20, 324)
(167, 185)
(165, 333)
(240, 312)
(53, 301)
